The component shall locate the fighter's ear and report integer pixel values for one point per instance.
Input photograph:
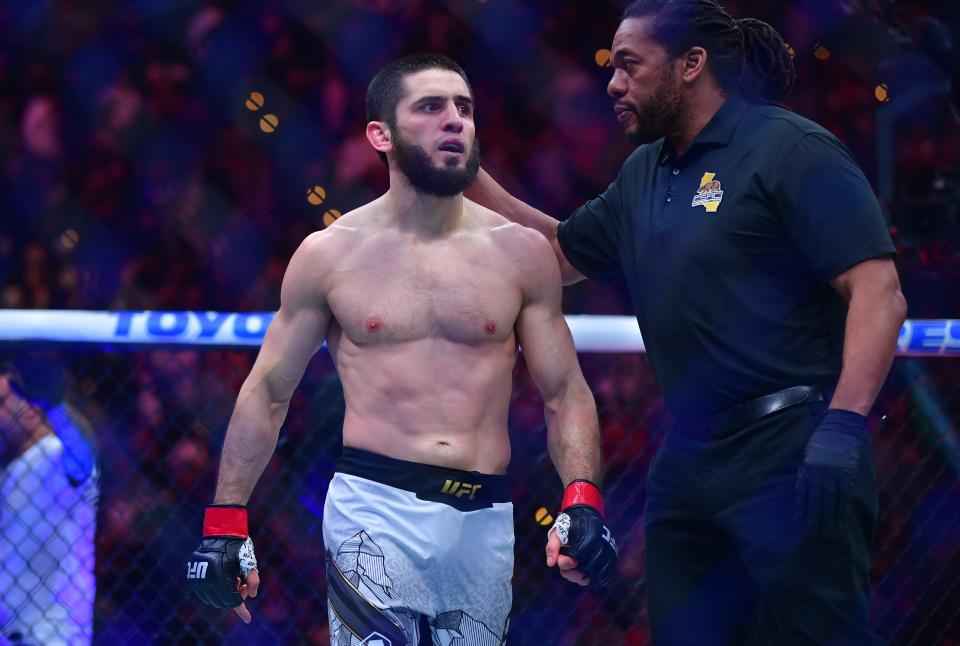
(378, 134)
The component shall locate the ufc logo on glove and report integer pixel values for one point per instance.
(197, 570)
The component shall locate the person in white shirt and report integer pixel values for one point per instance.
(49, 486)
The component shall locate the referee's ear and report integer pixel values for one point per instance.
(694, 64)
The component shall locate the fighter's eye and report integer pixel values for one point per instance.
(463, 108)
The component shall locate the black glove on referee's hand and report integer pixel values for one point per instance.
(827, 477)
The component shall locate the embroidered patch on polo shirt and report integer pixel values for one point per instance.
(710, 193)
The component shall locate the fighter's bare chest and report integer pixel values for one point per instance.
(444, 296)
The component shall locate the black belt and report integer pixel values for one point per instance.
(744, 414)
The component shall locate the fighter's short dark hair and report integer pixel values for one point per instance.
(745, 54)
(386, 87)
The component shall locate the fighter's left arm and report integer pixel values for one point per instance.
(573, 435)
(579, 544)
(877, 310)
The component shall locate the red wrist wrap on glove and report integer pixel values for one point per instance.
(582, 492)
(225, 520)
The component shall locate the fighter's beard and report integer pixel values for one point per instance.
(414, 162)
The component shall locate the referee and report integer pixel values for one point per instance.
(760, 270)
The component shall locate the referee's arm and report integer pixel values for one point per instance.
(876, 311)
(487, 192)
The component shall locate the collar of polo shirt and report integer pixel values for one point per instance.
(718, 131)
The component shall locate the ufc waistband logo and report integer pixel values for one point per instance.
(197, 570)
(455, 488)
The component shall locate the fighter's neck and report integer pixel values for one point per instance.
(423, 214)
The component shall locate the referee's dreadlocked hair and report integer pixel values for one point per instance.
(745, 54)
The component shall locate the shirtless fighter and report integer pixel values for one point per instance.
(423, 297)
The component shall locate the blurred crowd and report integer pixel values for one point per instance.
(135, 176)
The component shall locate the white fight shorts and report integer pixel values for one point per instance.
(416, 554)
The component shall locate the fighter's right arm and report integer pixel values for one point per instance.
(487, 192)
(223, 572)
(296, 333)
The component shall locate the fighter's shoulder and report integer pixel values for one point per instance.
(527, 248)
(339, 237)
(483, 217)
(503, 231)
(359, 219)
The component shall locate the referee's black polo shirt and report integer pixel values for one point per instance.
(728, 251)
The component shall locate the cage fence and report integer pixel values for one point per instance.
(158, 415)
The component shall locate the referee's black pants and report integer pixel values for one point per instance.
(727, 562)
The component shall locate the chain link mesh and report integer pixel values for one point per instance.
(159, 416)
